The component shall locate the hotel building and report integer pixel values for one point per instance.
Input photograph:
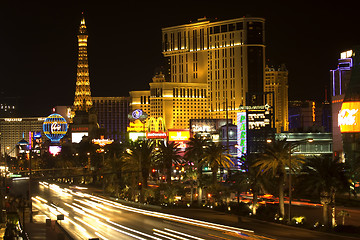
(215, 66)
(276, 81)
(12, 130)
(112, 115)
(339, 80)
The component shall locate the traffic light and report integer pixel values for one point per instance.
(139, 185)
(7, 189)
(153, 172)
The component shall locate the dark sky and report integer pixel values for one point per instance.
(38, 44)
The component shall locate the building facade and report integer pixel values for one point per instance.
(15, 129)
(276, 82)
(176, 103)
(112, 115)
(320, 144)
(348, 118)
(214, 68)
(309, 116)
(339, 81)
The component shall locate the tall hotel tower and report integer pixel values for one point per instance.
(276, 81)
(82, 101)
(214, 65)
(339, 81)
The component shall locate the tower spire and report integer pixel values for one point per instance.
(82, 100)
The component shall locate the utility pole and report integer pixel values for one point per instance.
(227, 127)
(30, 200)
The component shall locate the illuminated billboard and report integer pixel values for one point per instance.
(179, 135)
(54, 150)
(349, 117)
(102, 142)
(136, 135)
(207, 125)
(241, 133)
(76, 137)
(136, 126)
(258, 119)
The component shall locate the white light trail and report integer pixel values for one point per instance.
(195, 222)
(121, 231)
(101, 236)
(170, 234)
(133, 230)
(184, 234)
(157, 234)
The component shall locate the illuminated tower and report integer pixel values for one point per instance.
(82, 99)
(349, 114)
(339, 80)
(226, 61)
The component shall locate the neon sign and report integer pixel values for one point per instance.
(137, 114)
(179, 135)
(102, 142)
(136, 126)
(349, 117)
(241, 134)
(156, 135)
(55, 127)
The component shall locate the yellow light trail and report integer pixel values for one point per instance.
(184, 234)
(195, 222)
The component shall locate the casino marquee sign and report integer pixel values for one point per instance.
(349, 117)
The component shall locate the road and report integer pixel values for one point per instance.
(87, 216)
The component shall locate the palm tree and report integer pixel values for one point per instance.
(250, 179)
(343, 214)
(141, 153)
(215, 157)
(325, 176)
(194, 154)
(275, 158)
(168, 155)
(191, 176)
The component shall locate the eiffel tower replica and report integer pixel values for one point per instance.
(82, 99)
(83, 117)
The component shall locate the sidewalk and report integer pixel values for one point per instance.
(267, 229)
(48, 229)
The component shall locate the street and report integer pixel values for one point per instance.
(87, 216)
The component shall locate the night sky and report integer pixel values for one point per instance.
(38, 44)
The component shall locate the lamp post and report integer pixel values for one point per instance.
(30, 200)
(290, 169)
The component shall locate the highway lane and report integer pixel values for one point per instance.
(87, 216)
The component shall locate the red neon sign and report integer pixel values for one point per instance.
(151, 135)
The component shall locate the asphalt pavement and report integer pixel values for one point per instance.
(268, 229)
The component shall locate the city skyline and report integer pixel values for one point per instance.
(39, 46)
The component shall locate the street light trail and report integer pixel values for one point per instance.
(157, 234)
(186, 235)
(97, 216)
(133, 230)
(121, 231)
(101, 236)
(170, 234)
(173, 217)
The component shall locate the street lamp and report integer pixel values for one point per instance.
(310, 140)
